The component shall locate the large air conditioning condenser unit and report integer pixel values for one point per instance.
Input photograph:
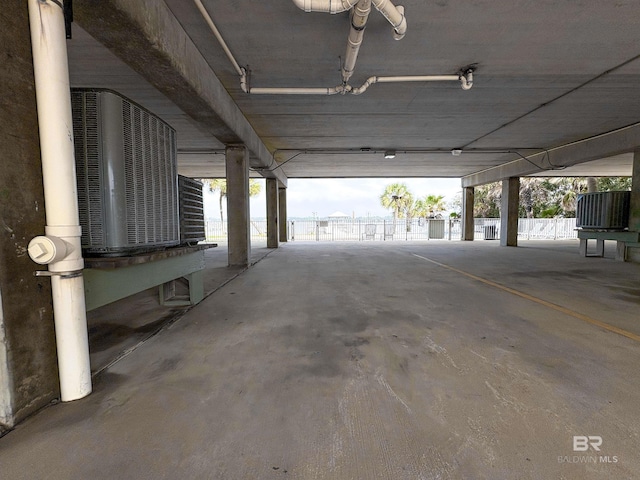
(126, 171)
(603, 210)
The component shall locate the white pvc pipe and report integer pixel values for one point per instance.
(296, 91)
(48, 41)
(418, 78)
(327, 6)
(356, 34)
(403, 78)
(395, 16)
(218, 36)
(466, 80)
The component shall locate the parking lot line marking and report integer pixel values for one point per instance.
(558, 308)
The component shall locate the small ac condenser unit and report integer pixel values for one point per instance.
(191, 210)
(126, 172)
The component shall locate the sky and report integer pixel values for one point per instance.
(322, 197)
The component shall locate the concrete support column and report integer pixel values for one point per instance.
(28, 363)
(634, 213)
(272, 213)
(238, 217)
(282, 214)
(468, 228)
(509, 212)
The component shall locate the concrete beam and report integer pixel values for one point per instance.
(272, 213)
(509, 212)
(146, 36)
(468, 227)
(238, 216)
(620, 141)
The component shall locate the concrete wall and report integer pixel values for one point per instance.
(28, 364)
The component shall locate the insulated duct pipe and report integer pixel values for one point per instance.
(60, 248)
(359, 17)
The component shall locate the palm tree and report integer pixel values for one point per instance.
(220, 185)
(397, 197)
(433, 204)
(487, 201)
(420, 209)
(417, 209)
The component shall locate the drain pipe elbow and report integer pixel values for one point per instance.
(466, 80)
(243, 81)
(400, 31)
(394, 15)
(361, 89)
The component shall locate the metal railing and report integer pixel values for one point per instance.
(344, 230)
(367, 230)
(547, 228)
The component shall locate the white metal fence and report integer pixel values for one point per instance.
(363, 230)
(528, 228)
(402, 230)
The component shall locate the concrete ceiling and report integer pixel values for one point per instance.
(550, 73)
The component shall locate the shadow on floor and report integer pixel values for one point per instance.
(118, 328)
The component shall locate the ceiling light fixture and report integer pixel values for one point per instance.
(389, 154)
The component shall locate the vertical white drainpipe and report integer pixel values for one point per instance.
(359, 19)
(48, 41)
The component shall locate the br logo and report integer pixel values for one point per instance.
(583, 443)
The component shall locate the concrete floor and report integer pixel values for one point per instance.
(114, 331)
(370, 361)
